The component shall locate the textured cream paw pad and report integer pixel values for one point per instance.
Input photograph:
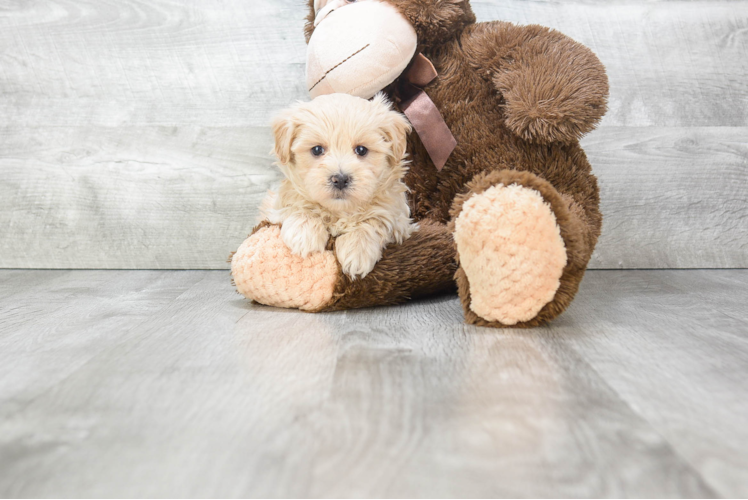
(512, 252)
(265, 270)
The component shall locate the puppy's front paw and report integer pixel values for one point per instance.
(357, 253)
(304, 236)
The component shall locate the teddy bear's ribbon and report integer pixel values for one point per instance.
(423, 114)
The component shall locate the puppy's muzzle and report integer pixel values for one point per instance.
(340, 182)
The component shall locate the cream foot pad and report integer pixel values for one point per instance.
(265, 270)
(511, 250)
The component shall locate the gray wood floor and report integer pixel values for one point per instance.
(167, 383)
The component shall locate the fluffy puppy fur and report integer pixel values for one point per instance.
(343, 159)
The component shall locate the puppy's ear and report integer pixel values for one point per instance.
(284, 127)
(396, 129)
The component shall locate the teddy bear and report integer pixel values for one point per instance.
(506, 204)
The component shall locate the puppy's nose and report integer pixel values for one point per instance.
(340, 181)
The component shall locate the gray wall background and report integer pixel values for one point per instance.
(133, 133)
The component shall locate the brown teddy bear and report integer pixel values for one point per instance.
(507, 206)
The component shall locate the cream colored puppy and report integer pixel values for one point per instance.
(342, 157)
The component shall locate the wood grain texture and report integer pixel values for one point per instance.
(99, 306)
(164, 384)
(671, 63)
(154, 197)
(234, 63)
(674, 346)
(671, 197)
(134, 134)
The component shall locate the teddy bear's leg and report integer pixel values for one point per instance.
(264, 270)
(522, 248)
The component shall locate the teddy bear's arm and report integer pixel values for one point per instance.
(265, 270)
(423, 264)
(553, 88)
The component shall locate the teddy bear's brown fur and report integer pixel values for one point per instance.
(517, 99)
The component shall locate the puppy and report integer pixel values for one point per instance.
(342, 157)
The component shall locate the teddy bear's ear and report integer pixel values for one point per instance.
(315, 7)
(284, 128)
(436, 21)
(310, 17)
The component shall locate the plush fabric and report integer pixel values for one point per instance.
(517, 99)
(511, 251)
(578, 233)
(265, 270)
(374, 55)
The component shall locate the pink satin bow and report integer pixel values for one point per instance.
(423, 114)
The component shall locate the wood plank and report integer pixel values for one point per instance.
(672, 198)
(232, 63)
(213, 396)
(674, 346)
(42, 293)
(13, 282)
(672, 63)
(151, 198)
(118, 63)
(135, 136)
(47, 333)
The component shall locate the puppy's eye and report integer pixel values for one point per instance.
(318, 150)
(361, 150)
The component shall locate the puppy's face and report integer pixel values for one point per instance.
(339, 150)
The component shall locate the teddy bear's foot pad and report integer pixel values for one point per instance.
(265, 270)
(511, 251)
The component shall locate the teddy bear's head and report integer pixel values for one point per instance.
(359, 47)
